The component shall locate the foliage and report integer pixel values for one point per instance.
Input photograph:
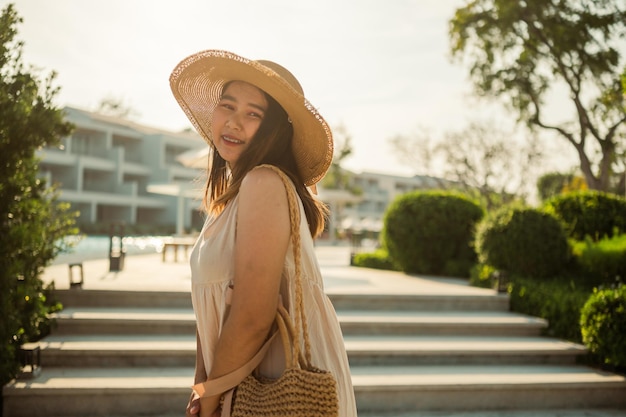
(115, 107)
(424, 231)
(589, 213)
(576, 184)
(555, 183)
(33, 222)
(481, 275)
(337, 177)
(524, 52)
(559, 301)
(378, 259)
(481, 160)
(603, 324)
(523, 241)
(602, 262)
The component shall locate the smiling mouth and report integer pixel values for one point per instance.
(232, 140)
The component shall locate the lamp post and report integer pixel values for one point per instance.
(356, 237)
(500, 280)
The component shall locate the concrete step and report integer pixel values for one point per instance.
(179, 350)
(557, 412)
(457, 350)
(118, 320)
(598, 412)
(483, 388)
(123, 298)
(162, 390)
(106, 351)
(491, 323)
(484, 301)
(181, 321)
(69, 392)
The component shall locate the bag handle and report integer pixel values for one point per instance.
(229, 381)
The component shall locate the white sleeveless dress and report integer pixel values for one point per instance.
(212, 269)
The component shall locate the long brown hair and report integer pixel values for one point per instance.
(271, 145)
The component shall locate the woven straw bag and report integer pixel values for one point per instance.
(302, 390)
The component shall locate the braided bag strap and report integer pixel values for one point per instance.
(301, 326)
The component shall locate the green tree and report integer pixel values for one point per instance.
(116, 107)
(337, 177)
(522, 51)
(32, 222)
(555, 183)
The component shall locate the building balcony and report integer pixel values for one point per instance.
(96, 197)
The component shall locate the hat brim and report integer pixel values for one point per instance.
(197, 84)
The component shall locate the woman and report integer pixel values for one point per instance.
(254, 114)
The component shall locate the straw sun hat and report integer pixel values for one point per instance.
(197, 83)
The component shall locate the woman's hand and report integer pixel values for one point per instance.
(205, 407)
(193, 406)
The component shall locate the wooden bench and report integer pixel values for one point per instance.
(175, 243)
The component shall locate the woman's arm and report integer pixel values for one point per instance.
(262, 238)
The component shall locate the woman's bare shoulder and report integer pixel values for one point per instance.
(262, 179)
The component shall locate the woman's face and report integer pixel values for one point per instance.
(236, 119)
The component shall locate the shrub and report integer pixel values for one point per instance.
(589, 213)
(481, 276)
(33, 221)
(522, 241)
(424, 231)
(603, 325)
(558, 301)
(378, 260)
(601, 262)
(551, 184)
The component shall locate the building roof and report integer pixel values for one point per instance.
(117, 122)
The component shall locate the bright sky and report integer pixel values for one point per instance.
(379, 68)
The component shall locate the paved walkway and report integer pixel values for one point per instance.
(149, 272)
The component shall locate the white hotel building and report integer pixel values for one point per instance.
(113, 170)
(108, 166)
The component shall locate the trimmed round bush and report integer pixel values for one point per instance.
(378, 260)
(430, 232)
(602, 262)
(556, 300)
(589, 213)
(603, 325)
(523, 241)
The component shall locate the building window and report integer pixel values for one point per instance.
(82, 143)
(172, 152)
(88, 143)
(132, 148)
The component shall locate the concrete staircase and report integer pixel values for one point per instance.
(131, 353)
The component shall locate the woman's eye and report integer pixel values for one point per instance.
(225, 105)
